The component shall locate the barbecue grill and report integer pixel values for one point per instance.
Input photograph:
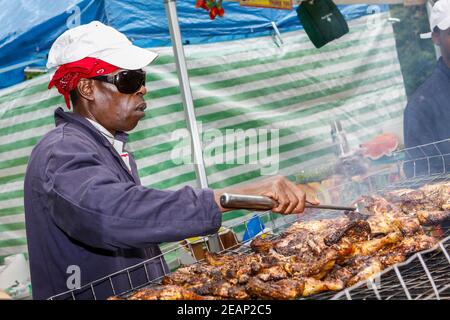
(425, 275)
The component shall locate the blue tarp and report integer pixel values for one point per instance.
(29, 27)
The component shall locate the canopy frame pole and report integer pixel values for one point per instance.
(186, 93)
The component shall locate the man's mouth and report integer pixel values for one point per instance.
(141, 107)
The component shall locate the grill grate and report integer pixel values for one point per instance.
(425, 275)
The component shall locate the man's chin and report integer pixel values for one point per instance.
(131, 122)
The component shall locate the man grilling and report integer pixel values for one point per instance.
(427, 115)
(87, 214)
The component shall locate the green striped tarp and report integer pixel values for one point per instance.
(245, 84)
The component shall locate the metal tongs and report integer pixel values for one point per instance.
(240, 201)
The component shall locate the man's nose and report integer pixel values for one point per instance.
(142, 90)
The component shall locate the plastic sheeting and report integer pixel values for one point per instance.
(28, 28)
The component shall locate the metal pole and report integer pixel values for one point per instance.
(186, 94)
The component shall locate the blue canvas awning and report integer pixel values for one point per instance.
(29, 28)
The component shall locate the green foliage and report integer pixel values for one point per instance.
(417, 56)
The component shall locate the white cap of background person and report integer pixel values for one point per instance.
(440, 17)
(97, 40)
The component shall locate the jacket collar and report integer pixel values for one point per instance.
(62, 117)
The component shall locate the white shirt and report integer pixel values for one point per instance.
(117, 144)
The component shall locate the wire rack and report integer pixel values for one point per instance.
(425, 275)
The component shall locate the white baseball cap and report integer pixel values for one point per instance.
(440, 17)
(97, 40)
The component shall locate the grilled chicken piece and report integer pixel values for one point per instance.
(369, 247)
(407, 225)
(446, 205)
(215, 259)
(386, 218)
(359, 232)
(221, 289)
(314, 286)
(236, 268)
(353, 230)
(426, 194)
(303, 243)
(381, 226)
(168, 292)
(439, 194)
(394, 222)
(312, 247)
(377, 205)
(432, 217)
(291, 288)
(430, 204)
(345, 251)
(372, 267)
(275, 272)
(415, 244)
(321, 227)
(434, 197)
(319, 234)
(276, 266)
(405, 194)
(363, 267)
(317, 268)
(290, 244)
(207, 280)
(193, 274)
(399, 252)
(382, 214)
(332, 230)
(301, 254)
(390, 257)
(261, 245)
(283, 289)
(357, 269)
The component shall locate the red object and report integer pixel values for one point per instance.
(201, 4)
(215, 7)
(68, 75)
(380, 146)
(213, 13)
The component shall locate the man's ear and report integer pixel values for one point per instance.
(436, 37)
(86, 88)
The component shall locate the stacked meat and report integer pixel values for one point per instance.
(314, 256)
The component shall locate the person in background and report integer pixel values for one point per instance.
(427, 115)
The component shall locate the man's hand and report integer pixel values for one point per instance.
(290, 197)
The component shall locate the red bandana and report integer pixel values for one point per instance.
(67, 76)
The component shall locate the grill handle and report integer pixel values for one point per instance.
(240, 201)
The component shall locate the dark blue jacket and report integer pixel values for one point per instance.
(83, 208)
(427, 120)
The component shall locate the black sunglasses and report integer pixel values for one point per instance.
(127, 81)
